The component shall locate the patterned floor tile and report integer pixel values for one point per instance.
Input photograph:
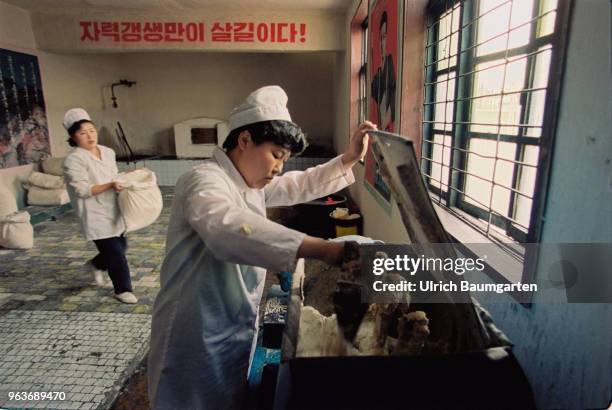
(59, 332)
(85, 356)
(51, 275)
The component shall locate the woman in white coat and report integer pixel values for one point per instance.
(89, 171)
(219, 246)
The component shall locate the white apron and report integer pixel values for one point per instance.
(99, 214)
(218, 248)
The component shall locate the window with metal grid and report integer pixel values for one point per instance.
(487, 123)
(363, 73)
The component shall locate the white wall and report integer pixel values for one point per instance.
(78, 80)
(173, 87)
(15, 28)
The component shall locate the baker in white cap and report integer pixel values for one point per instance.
(218, 248)
(89, 171)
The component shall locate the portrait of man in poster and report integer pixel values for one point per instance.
(383, 82)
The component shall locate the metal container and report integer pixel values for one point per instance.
(479, 370)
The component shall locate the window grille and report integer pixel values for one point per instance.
(487, 118)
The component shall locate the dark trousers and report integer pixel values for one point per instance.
(112, 259)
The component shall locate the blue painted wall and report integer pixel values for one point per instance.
(566, 349)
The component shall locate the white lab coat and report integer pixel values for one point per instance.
(99, 214)
(219, 245)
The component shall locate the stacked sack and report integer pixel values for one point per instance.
(140, 202)
(48, 188)
(16, 232)
(53, 166)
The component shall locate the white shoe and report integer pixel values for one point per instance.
(99, 275)
(126, 297)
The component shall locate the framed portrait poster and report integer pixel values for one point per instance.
(384, 69)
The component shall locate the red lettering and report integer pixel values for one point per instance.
(221, 32)
(86, 35)
(137, 32)
(262, 32)
(191, 30)
(281, 36)
(292, 32)
(131, 31)
(243, 32)
(153, 31)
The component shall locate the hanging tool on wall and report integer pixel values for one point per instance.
(126, 83)
(124, 143)
(122, 152)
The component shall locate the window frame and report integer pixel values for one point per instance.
(358, 47)
(466, 62)
(363, 74)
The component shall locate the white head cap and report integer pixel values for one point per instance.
(73, 115)
(264, 104)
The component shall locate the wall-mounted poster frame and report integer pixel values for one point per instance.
(385, 23)
(24, 134)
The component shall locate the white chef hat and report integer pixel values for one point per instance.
(264, 104)
(73, 115)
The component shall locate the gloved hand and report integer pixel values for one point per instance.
(284, 279)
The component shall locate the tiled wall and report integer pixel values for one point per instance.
(168, 171)
(300, 164)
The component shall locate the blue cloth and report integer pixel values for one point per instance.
(261, 358)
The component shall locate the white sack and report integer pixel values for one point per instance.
(53, 166)
(141, 201)
(42, 196)
(16, 232)
(45, 180)
(8, 203)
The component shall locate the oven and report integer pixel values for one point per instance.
(198, 137)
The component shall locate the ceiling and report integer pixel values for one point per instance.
(76, 6)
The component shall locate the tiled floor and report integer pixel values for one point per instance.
(80, 355)
(58, 330)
